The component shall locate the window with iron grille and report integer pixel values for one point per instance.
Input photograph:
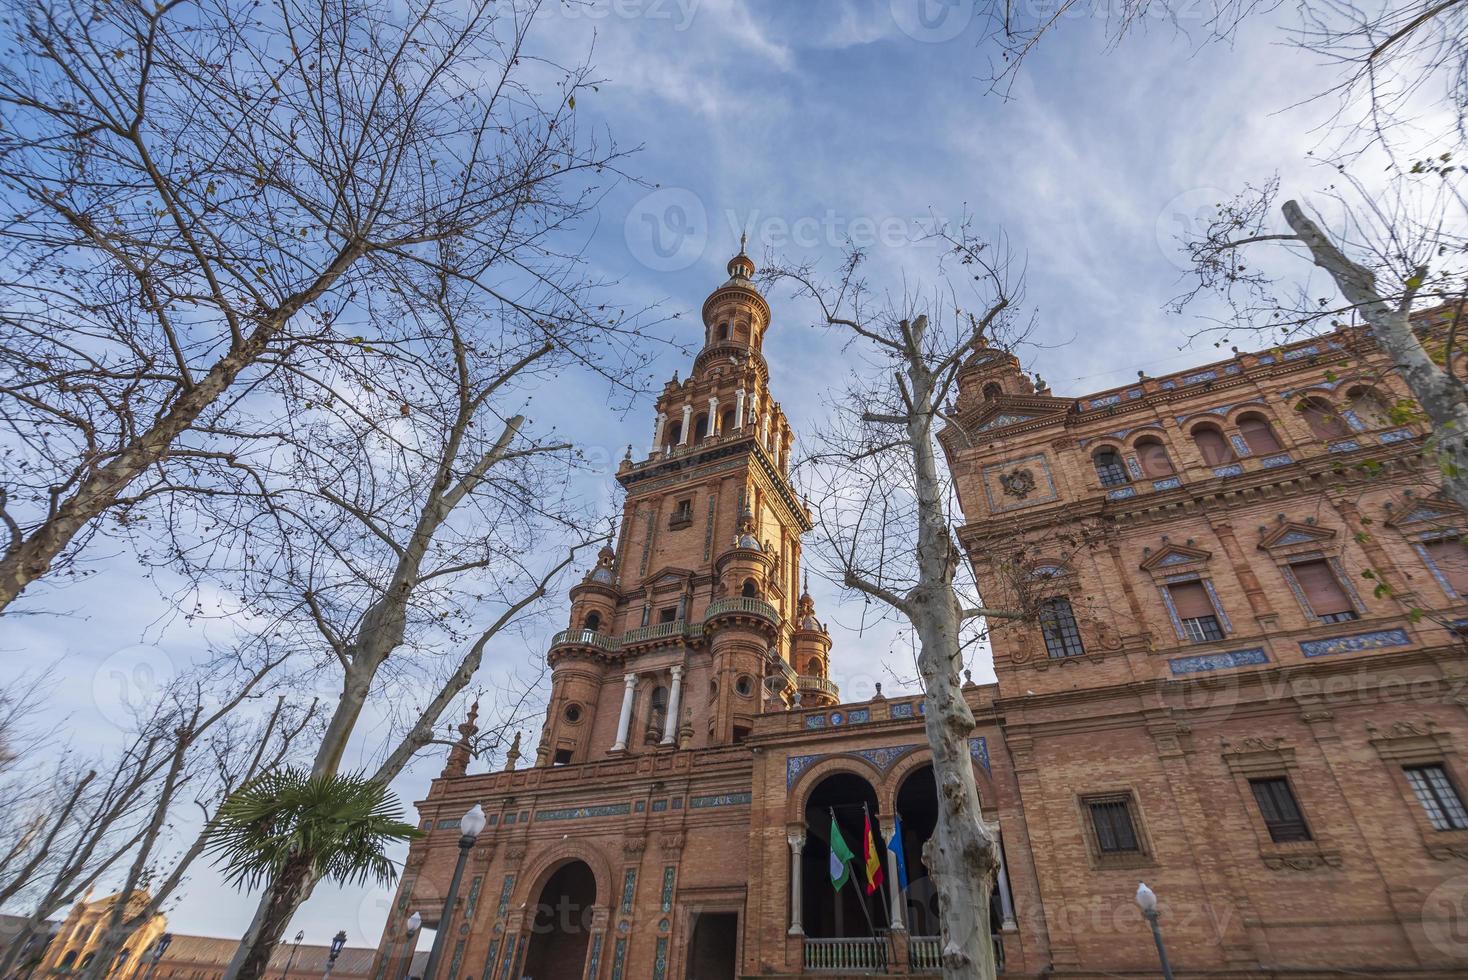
(1111, 819)
(1201, 629)
(1110, 469)
(1058, 623)
(1196, 614)
(1280, 810)
(1438, 796)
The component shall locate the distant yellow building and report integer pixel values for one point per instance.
(79, 939)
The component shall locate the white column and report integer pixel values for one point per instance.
(899, 921)
(657, 433)
(797, 844)
(753, 419)
(739, 408)
(687, 415)
(713, 414)
(670, 725)
(1006, 900)
(624, 720)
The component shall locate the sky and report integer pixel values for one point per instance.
(805, 123)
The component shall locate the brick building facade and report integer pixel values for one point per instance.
(1209, 696)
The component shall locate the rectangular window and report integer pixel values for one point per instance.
(1438, 796)
(1111, 819)
(668, 615)
(1058, 624)
(563, 757)
(1451, 560)
(1195, 611)
(682, 515)
(1323, 592)
(1278, 807)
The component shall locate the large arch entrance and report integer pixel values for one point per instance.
(917, 807)
(850, 912)
(562, 924)
(714, 946)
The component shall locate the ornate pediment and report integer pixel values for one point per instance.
(1291, 534)
(1008, 410)
(1434, 512)
(1174, 556)
(668, 578)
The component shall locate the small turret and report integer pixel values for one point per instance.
(462, 752)
(810, 653)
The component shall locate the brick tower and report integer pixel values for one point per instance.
(689, 629)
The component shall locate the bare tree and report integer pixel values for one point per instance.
(197, 739)
(889, 524)
(1393, 256)
(204, 196)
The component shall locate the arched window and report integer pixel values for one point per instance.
(992, 390)
(813, 667)
(1368, 406)
(675, 434)
(592, 621)
(1323, 419)
(726, 421)
(724, 330)
(1212, 445)
(1258, 434)
(1155, 461)
(700, 428)
(87, 960)
(1058, 625)
(1109, 467)
(750, 590)
(68, 959)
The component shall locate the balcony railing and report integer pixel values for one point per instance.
(740, 604)
(655, 632)
(846, 954)
(810, 683)
(587, 638)
(925, 954)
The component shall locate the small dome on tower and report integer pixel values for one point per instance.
(606, 558)
(746, 537)
(741, 268)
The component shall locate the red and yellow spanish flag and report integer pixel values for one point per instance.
(871, 855)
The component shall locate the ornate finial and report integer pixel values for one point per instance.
(968, 678)
(628, 454)
(513, 756)
(458, 761)
(743, 241)
(469, 728)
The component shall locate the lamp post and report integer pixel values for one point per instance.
(337, 942)
(415, 922)
(159, 948)
(470, 827)
(1147, 900)
(292, 958)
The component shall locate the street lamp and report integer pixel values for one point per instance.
(159, 947)
(415, 922)
(337, 942)
(1147, 899)
(470, 827)
(299, 936)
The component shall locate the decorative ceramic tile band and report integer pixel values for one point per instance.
(727, 799)
(1232, 469)
(1344, 446)
(1354, 643)
(1395, 435)
(1121, 493)
(581, 812)
(1204, 662)
(1270, 462)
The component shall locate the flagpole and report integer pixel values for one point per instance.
(861, 899)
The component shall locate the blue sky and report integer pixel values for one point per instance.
(803, 122)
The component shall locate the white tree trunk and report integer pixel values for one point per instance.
(1436, 390)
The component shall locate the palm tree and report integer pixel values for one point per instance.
(288, 828)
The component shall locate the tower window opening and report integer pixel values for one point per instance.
(592, 622)
(813, 667)
(992, 390)
(750, 590)
(726, 421)
(700, 428)
(668, 615)
(675, 434)
(563, 757)
(724, 330)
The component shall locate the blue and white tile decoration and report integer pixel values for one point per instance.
(1355, 643)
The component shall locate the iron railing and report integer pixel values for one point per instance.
(865, 953)
(655, 632)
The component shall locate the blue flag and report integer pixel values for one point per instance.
(894, 843)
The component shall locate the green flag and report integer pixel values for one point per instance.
(840, 857)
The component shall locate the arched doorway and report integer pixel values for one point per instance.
(562, 924)
(917, 808)
(826, 913)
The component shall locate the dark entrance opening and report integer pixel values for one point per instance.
(917, 806)
(827, 914)
(714, 947)
(562, 925)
